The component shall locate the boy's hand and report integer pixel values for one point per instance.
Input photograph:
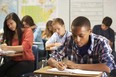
(61, 66)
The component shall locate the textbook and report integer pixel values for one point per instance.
(75, 71)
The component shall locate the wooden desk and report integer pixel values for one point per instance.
(44, 71)
(9, 55)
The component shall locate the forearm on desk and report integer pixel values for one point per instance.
(50, 45)
(15, 48)
(96, 67)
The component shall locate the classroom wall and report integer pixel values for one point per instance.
(108, 9)
(63, 11)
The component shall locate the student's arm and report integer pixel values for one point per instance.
(112, 37)
(52, 40)
(14, 48)
(33, 27)
(53, 45)
(94, 67)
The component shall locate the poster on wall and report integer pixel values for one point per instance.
(40, 10)
(6, 7)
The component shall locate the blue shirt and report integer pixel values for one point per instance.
(56, 38)
(38, 38)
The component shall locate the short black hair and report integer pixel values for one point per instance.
(107, 21)
(81, 21)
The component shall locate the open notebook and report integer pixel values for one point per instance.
(6, 52)
(75, 71)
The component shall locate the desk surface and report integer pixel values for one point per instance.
(44, 71)
(13, 55)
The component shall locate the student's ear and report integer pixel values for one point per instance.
(90, 30)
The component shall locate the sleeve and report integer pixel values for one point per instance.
(69, 34)
(112, 35)
(107, 57)
(38, 38)
(37, 35)
(59, 54)
(52, 39)
(27, 39)
(94, 30)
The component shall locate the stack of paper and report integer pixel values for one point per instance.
(76, 71)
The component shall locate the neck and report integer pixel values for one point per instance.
(63, 33)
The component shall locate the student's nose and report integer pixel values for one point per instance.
(57, 31)
(9, 26)
(78, 38)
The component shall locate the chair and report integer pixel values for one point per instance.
(43, 55)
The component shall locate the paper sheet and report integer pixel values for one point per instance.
(6, 52)
(76, 71)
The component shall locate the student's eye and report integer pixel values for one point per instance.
(74, 36)
(81, 36)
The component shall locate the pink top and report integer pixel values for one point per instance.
(27, 42)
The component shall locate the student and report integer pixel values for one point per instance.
(59, 36)
(84, 50)
(37, 48)
(29, 22)
(105, 30)
(20, 41)
(48, 31)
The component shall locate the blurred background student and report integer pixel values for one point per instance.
(38, 47)
(29, 22)
(20, 41)
(105, 30)
(60, 35)
(47, 33)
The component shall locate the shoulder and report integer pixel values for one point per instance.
(97, 26)
(37, 29)
(27, 31)
(69, 33)
(68, 39)
(111, 30)
(98, 38)
(55, 34)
